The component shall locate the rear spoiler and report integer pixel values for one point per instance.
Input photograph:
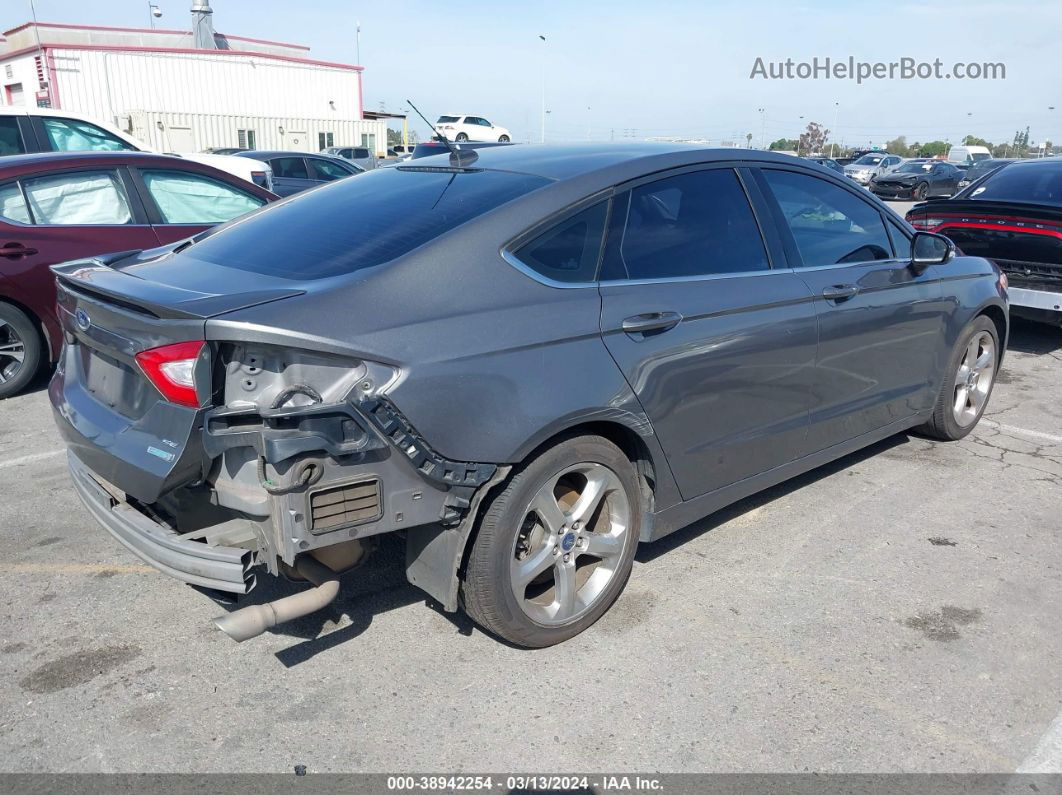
(94, 277)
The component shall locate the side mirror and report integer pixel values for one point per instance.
(929, 249)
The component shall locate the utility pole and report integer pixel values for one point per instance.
(357, 43)
(836, 113)
(763, 126)
(543, 139)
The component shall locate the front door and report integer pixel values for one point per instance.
(879, 322)
(719, 348)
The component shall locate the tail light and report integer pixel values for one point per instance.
(259, 179)
(925, 224)
(171, 370)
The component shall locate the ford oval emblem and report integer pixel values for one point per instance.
(83, 320)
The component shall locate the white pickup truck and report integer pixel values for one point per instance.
(24, 130)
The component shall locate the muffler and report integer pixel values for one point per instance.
(250, 622)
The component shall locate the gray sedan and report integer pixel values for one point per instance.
(528, 360)
(297, 171)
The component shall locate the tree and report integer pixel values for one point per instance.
(973, 140)
(897, 146)
(784, 145)
(813, 139)
(933, 148)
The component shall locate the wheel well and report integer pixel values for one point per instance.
(995, 314)
(46, 349)
(620, 435)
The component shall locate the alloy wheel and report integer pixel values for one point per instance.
(570, 544)
(12, 352)
(973, 381)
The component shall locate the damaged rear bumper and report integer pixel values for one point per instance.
(218, 567)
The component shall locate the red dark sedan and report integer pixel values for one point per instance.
(61, 206)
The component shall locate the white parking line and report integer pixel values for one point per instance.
(1047, 756)
(1049, 437)
(26, 459)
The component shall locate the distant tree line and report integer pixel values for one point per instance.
(816, 139)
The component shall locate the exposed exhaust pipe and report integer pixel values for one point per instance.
(250, 622)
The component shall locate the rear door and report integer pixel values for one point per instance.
(180, 204)
(290, 175)
(65, 215)
(718, 347)
(880, 323)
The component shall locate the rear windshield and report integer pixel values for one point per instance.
(358, 223)
(447, 119)
(1039, 183)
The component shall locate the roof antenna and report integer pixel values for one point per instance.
(458, 159)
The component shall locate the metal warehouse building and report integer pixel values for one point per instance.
(185, 91)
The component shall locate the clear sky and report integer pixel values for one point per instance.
(665, 68)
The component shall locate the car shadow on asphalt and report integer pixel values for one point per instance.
(1030, 336)
(375, 587)
(647, 553)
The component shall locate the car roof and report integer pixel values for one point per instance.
(557, 162)
(105, 158)
(259, 154)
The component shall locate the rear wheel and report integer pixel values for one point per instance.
(20, 350)
(920, 191)
(556, 546)
(968, 383)
(461, 137)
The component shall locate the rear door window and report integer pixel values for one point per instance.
(694, 224)
(10, 137)
(184, 198)
(830, 226)
(74, 135)
(326, 171)
(569, 251)
(81, 198)
(289, 168)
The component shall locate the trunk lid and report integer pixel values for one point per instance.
(113, 418)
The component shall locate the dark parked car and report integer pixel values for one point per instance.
(856, 154)
(297, 171)
(982, 168)
(61, 206)
(1012, 216)
(830, 163)
(918, 180)
(528, 361)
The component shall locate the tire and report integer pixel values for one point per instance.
(20, 350)
(920, 192)
(461, 137)
(948, 422)
(591, 560)
(503, 139)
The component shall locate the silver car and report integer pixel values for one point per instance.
(871, 165)
(358, 155)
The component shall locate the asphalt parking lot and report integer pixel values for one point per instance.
(895, 611)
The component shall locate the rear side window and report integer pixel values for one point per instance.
(10, 137)
(396, 210)
(569, 251)
(289, 167)
(830, 226)
(83, 198)
(184, 198)
(1032, 182)
(73, 135)
(693, 224)
(12, 205)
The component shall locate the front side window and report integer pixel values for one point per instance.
(830, 226)
(73, 135)
(361, 153)
(84, 198)
(184, 198)
(10, 137)
(327, 171)
(289, 168)
(692, 224)
(569, 251)
(13, 205)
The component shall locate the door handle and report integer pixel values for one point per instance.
(839, 292)
(16, 250)
(651, 321)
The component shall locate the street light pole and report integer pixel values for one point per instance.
(836, 113)
(543, 139)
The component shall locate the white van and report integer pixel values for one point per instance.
(968, 155)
